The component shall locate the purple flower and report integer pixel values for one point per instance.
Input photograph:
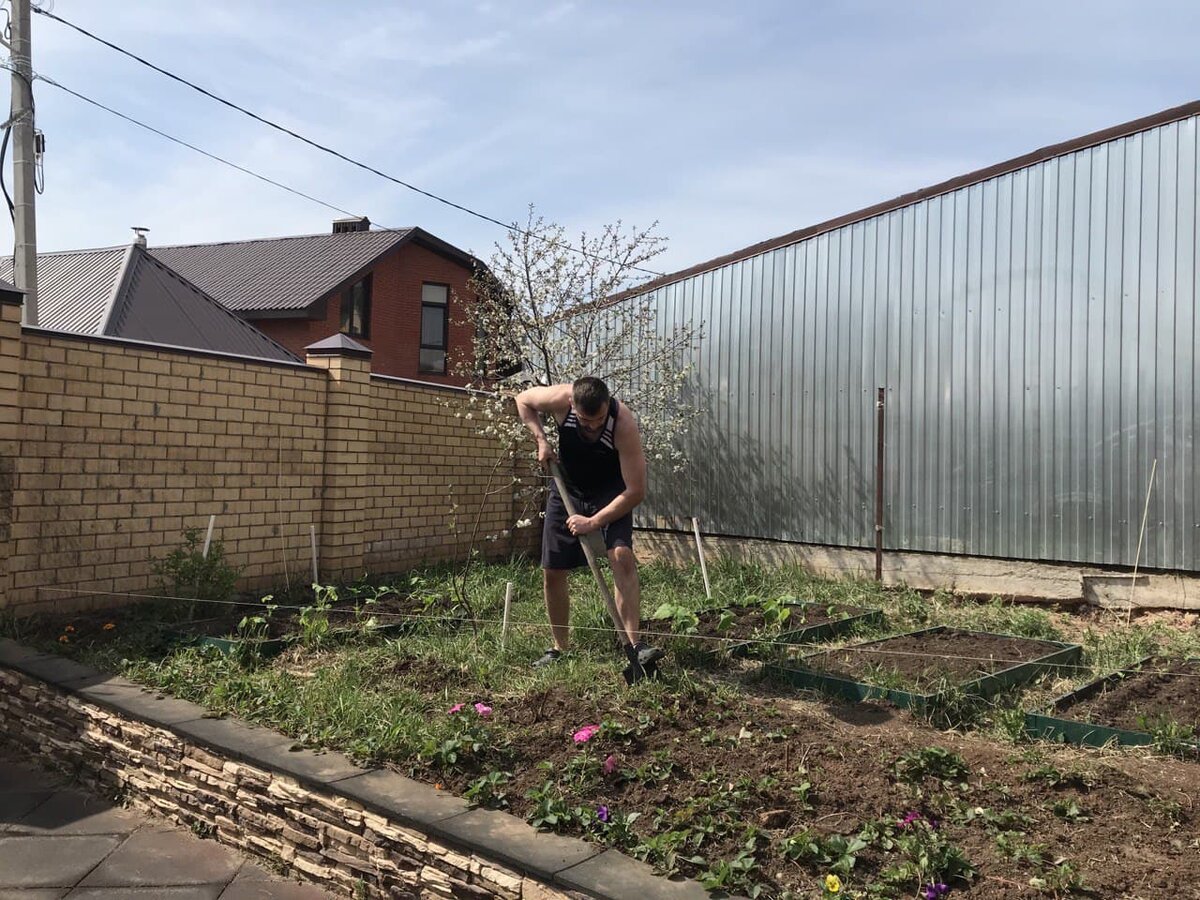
(909, 818)
(602, 813)
(934, 891)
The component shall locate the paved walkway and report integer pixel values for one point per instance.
(56, 842)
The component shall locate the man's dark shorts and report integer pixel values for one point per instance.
(560, 548)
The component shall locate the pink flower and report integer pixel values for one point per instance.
(483, 709)
(585, 734)
(457, 707)
(610, 765)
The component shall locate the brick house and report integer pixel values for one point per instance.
(399, 292)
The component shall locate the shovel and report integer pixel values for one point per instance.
(593, 548)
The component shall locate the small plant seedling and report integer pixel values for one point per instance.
(489, 790)
(683, 620)
(942, 765)
(1070, 810)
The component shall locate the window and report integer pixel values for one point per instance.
(356, 309)
(435, 330)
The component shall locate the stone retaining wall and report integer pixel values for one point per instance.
(358, 832)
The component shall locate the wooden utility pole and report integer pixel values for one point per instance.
(24, 162)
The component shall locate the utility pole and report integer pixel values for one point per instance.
(24, 161)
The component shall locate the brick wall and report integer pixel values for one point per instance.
(121, 446)
(395, 314)
(10, 384)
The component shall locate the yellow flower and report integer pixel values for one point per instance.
(63, 639)
(109, 626)
(833, 884)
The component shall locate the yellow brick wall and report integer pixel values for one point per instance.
(10, 387)
(122, 447)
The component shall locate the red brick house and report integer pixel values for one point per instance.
(399, 292)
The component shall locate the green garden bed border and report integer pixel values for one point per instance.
(1051, 724)
(812, 634)
(984, 686)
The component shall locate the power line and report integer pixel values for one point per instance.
(323, 147)
(200, 150)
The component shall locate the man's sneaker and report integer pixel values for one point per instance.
(548, 658)
(647, 655)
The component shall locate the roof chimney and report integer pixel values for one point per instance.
(139, 233)
(354, 223)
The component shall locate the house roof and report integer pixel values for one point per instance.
(74, 287)
(1125, 129)
(291, 273)
(123, 292)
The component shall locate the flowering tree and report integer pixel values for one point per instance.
(545, 313)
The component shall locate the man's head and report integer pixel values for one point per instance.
(590, 398)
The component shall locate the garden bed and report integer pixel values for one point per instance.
(749, 629)
(717, 778)
(913, 669)
(1156, 701)
(270, 633)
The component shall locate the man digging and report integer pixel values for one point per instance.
(600, 449)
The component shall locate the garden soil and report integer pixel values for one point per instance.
(920, 660)
(703, 760)
(1139, 702)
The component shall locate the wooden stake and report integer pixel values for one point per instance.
(508, 591)
(212, 521)
(1141, 535)
(312, 533)
(700, 553)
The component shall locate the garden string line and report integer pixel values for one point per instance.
(667, 634)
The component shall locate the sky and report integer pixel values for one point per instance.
(725, 123)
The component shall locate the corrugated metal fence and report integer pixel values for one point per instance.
(1036, 334)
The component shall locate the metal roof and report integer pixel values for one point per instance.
(123, 292)
(75, 287)
(289, 273)
(1166, 116)
(157, 305)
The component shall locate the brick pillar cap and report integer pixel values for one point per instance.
(338, 345)
(10, 293)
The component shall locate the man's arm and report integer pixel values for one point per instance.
(628, 441)
(554, 400)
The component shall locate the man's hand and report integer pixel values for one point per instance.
(582, 524)
(546, 455)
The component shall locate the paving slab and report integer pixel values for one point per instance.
(16, 805)
(250, 886)
(612, 874)
(70, 812)
(190, 892)
(17, 777)
(32, 893)
(315, 769)
(57, 670)
(137, 702)
(510, 840)
(232, 737)
(165, 857)
(57, 861)
(407, 801)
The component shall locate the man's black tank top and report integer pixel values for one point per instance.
(592, 467)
